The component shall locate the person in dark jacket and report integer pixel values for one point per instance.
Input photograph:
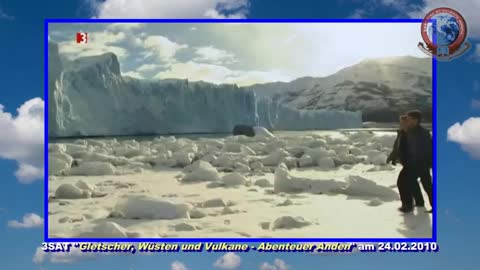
(398, 155)
(416, 155)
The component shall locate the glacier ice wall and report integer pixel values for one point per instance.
(90, 97)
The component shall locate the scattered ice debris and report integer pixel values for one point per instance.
(146, 207)
(362, 187)
(196, 213)
(216, 202)
(228, 211)
(106, 229)
(263, 182)
(93, 168)
(69, 191)
(234, 179)
(377, 157)
(284, 182)
(201, 171)
(256, 166)
(289, 222)
(274, 158)
(287, 202)
(181, 227)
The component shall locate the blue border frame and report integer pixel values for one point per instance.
(371, 240)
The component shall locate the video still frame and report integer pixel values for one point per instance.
(239, 130)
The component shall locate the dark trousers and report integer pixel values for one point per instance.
(408, 186)
(426, 181)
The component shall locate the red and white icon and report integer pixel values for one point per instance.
(82, 37)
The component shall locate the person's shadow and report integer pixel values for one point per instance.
(417, 224)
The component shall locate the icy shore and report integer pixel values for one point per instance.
(289, 186)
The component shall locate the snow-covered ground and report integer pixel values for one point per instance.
(319, 184)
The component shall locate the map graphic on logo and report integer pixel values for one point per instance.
(444, 32)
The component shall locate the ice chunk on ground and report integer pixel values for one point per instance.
(62, 156)
(106, 229)
(306, 161)
(275, 158)
(232, 147)
(247, 150)
(296, 151)
(284, 182)
(210, 158)
(84, 185)
(291, 162)
(93, 168)
(146, 207)
(326, 163)
(216, 202)
(181, 227)
(377, 158)
(57, 166)
(234, 179)
(256, 166)
(362, 187)
(196, 213)
(183, 158)
(263, 183)
(289, 222)
(201, 171)
(69, 191)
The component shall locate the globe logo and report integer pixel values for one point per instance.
(444, 31)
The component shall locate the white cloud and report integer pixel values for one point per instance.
(162, 47)
(467, 135)
(228, 261)
(98, 43)
(468, 9)
(267, 266)
(75, 255)
(23, 139)
(219, 74)
(213, 55)
(278, 264)
(30, 220)
(165, 9)
(176, 265)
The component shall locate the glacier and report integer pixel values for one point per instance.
(90, 97)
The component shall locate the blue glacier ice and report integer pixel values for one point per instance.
(90, 97)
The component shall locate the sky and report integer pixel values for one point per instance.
(21, 142)
(243, 54)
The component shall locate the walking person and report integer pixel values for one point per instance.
(396, 157)
(416, 154)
